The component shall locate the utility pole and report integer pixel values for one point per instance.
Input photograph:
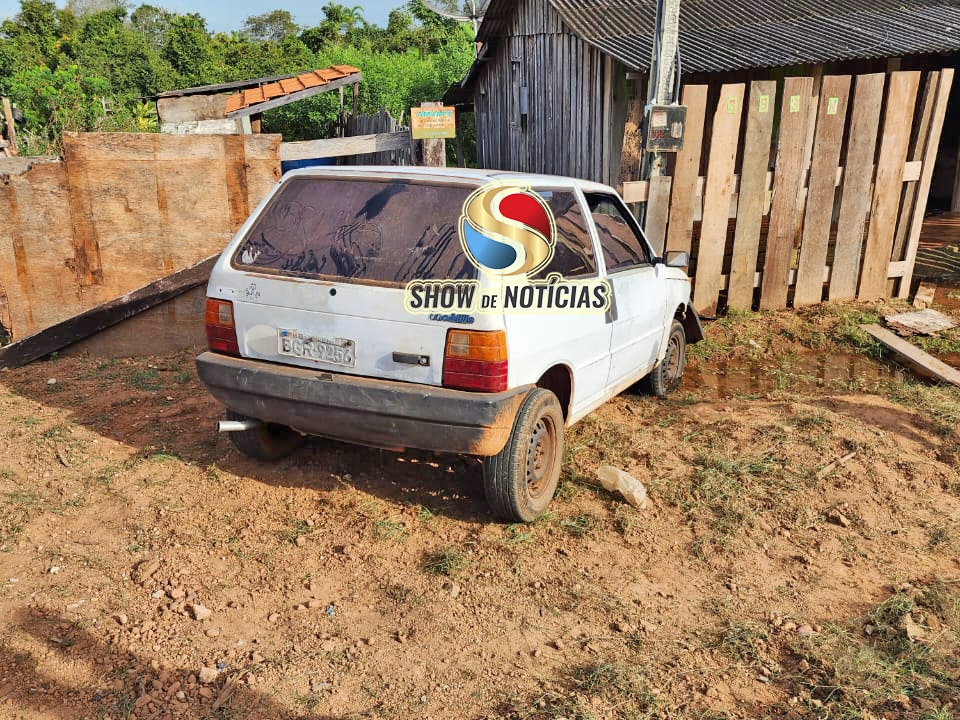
(664, 65)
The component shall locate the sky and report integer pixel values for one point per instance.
(225, 16)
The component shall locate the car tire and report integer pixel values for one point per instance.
(267, 442)
(668, 375)
(519, 481)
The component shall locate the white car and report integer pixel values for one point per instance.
(329, 315)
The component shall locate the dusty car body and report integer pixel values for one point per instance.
(314, 325)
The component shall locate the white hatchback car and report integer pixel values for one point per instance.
(312, 329)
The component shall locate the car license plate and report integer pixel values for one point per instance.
(337, 351)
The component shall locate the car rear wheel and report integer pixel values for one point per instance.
(668, 375)
(265, 442)
(519, 482)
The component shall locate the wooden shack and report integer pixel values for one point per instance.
(816, 131)
(555, 80)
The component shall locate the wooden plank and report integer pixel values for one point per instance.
(857, 176)
(658, 210)
(687, 169)
(831, 120)
(787, 181)
(630, 152)
(716, 197)
(103, 316)
(752, 193)
(923, 188)
(917, 146)
(11, 127)
(913, 357)
(340, 147)
(899, 109)
(636, 191)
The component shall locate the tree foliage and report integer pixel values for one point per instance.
(95, 64)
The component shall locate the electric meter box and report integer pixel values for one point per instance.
(666, 126)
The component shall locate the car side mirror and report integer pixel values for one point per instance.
(678, 259)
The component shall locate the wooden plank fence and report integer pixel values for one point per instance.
(837, 215)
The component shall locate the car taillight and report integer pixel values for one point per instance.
(221, 332)
(475, 360)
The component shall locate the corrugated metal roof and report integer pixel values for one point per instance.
(289, 89)
(718, 35)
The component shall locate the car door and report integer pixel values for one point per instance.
(581, 342)
(639, 297)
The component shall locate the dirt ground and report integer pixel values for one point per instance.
(799, 556)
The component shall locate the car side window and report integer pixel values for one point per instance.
(619, 239)
(573, 254)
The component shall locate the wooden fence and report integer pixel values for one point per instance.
(812, 190)
(119, 211)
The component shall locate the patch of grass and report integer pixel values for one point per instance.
(147, 380)
(424, 514)
(580, 524)
(516, 535)
(744, 641)
(389, 529)
(16, 510)
(607, 690)
(725, 491)
(866, 666)
(449, 562)
(309, 701)
(298, 528)
(161, 456)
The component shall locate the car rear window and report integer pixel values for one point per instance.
(364, 230)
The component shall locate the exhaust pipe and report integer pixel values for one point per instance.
(238, 425)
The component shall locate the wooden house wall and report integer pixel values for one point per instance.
(565, 132)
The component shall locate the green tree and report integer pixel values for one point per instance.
(187, 48)
(274, 25)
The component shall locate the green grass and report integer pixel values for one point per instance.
(145, 380)
(389, 529)
(742, 641)
(592, 692)
(297, 528)
(517, 535)
(853, 673)
(449, 562)
(579, 525)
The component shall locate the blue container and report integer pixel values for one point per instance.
(288, 165)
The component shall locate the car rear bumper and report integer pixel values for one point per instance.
(380, 413)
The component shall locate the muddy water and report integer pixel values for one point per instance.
(806, 373)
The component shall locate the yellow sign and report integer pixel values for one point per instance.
(433, 122)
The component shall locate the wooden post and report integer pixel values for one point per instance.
(11, 128)
(434, 151)
(256, 123)
(356, 99)
(460, 161)
(955, 204)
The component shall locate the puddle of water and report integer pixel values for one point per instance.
(838, 372)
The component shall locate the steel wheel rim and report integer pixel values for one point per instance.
(541, 456)
(672, 362)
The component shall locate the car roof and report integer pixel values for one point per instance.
(479, 176)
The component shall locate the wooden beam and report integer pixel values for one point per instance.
(913, 357)
(340, 147)
(930, 147)
(294, 97)
(106, 315)
(888, 188)
(11, 126)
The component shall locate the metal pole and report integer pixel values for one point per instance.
(661, 81)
